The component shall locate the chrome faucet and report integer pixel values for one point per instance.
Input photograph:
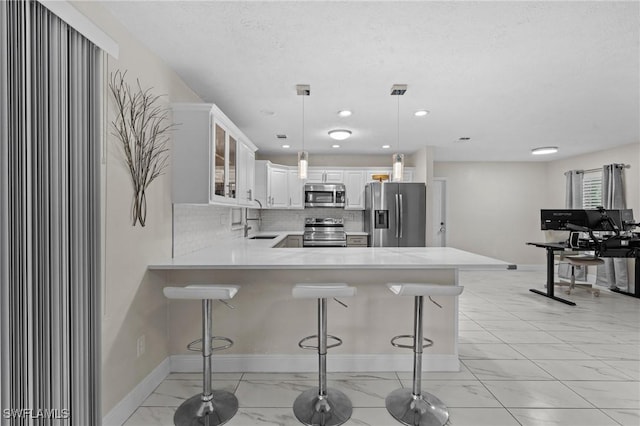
(247, 219)
(246, 229)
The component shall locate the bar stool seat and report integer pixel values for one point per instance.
(211, 407)
(414, 407)
(322, 406)
(582, 261)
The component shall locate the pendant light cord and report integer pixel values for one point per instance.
(398, 130)
(303, 122)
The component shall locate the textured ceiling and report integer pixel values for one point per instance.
(509, 75)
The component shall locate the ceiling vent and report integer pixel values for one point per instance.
(398, 89)
(281, 136)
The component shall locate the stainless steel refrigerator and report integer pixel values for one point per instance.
(395, 214)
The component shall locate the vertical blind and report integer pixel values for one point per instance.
(592, 189)
(49, 220)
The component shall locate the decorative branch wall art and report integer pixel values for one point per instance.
(142, 130)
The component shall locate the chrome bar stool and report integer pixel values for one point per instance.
(211, 407)
(412, 406)
(322, 406)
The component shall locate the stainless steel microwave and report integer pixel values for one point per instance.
(324, 195)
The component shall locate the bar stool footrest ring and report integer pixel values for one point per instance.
(196, 345)
(428, 343)
(315, 336)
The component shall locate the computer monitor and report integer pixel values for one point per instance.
(595, 220)
(557, 219)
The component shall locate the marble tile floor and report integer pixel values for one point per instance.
(525, 360)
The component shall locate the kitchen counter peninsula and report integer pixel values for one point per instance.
(267, 322)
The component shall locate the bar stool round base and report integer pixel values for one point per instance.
(196, 412)
(332, 410)
(424, 410)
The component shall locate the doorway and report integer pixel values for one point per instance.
(439, 202)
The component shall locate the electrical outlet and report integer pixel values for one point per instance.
(140, 346)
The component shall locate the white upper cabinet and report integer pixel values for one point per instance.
(212, 159)
(354, 181)
(246, 174)
(321, 175)
(272, 185)
(296, 189)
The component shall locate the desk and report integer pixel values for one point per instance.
(551, 248)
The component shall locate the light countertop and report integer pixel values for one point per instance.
(244, 253)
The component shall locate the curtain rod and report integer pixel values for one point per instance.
(624, 166)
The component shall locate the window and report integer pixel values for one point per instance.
(592, 189)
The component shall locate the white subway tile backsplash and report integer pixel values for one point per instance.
(199, 226)
(289, 220)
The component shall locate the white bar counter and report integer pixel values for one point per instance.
(267, 322)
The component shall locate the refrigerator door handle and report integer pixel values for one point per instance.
(400, 216)
(397, 216)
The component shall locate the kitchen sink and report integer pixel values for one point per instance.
(263, 237)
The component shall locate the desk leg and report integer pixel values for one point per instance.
(636, 281)
(550, 281)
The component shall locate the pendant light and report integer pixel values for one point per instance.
(303, 156)
(398, 158)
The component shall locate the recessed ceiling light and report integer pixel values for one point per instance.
(386, 146)
(544, 150)
(421, 113)
(335, 146)
(339, 134)
(344, 113)
(286, 146)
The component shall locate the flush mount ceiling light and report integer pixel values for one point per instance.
(421, 113)
(286, 146)
(335, 146)
(386, 146)
(339, 134)
(545, 150)
(344, 113)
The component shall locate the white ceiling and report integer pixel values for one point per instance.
(510, 75)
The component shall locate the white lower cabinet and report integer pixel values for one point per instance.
(357, 240)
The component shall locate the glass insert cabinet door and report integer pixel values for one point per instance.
(224, 163)
(232, 175)
(219, 160)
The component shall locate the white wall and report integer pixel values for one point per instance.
(627, 154)
(133, 300)
(494, 208)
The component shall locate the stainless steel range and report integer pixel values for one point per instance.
(324, 232)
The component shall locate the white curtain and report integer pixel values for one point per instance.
(49, 219)
(613, 273)
(573, 200)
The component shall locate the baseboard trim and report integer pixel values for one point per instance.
(532, 267)
(130, 403)
(276, 363)
(287, 363)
